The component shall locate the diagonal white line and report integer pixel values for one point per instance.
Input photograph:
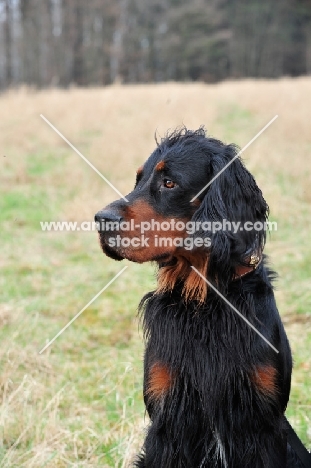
(82, 310)
(83, 157)
(235, 310)
(235, 157)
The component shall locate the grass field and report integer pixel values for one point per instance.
(79, 403)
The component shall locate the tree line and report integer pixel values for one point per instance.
(60, 42)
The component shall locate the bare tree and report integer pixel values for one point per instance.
(8, 42)
(58, 42)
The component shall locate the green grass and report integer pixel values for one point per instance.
(46, 279)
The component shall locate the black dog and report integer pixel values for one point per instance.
(215, 389)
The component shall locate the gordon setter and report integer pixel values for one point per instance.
(216, 383)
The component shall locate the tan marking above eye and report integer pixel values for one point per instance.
(160, 166)
(139, 170)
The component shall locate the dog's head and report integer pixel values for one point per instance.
(194, 204)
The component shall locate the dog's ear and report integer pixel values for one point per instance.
(237, 212)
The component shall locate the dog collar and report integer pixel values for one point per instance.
(242, 270)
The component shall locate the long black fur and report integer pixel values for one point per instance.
(214, 414)
(213, 417)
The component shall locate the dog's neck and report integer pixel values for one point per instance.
(194, 287)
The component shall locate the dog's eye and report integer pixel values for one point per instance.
(168, 183)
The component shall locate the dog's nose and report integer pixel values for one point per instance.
(106, 215)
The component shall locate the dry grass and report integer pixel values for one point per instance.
(79, 404)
